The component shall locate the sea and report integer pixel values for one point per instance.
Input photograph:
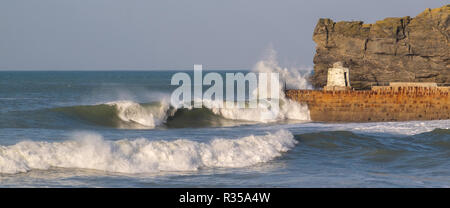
(117, 129)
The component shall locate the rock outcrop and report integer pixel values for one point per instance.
(391, 50)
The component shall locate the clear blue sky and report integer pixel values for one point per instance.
(151, 34)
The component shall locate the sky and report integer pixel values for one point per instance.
(173, 35)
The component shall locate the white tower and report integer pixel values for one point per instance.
(338, 78)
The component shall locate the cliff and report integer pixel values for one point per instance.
(391, 50)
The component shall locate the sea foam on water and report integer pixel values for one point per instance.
(91, 151)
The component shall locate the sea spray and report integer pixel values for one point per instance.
(149, 117)
(292, 78)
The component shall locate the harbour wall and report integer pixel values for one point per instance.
(386, 103)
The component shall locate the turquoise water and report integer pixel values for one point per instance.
(113, 129)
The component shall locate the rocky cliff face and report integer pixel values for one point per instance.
(391, 50)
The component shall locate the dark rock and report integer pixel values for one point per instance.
(391, 50)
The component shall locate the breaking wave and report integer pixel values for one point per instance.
(132, 115)
(129, 114)
(120, 114)
(91, 151)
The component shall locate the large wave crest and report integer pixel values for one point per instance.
(91, 151)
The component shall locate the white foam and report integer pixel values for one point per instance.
(91, 151)
(264, 114)
(404, 127)
(374, 128)
(294, 78)
(149, 117)
(138, 116)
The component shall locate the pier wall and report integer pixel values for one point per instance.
(379, 104)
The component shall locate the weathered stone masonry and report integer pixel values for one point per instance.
(381, 104)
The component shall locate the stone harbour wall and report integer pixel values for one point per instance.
(380, 104)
